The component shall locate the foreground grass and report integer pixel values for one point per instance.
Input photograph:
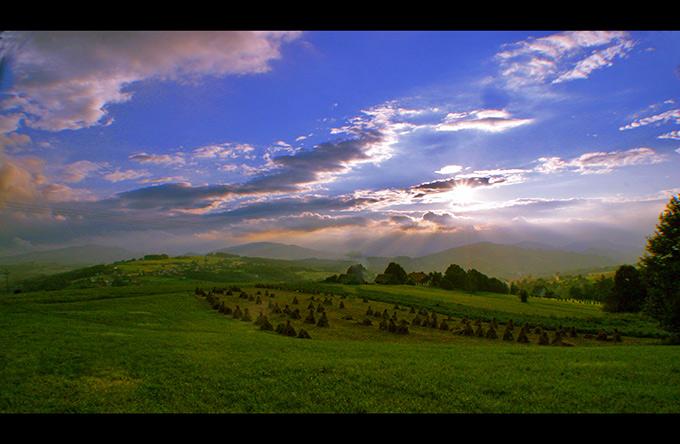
(149, 349)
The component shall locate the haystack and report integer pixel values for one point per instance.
(323, 320)
(522, 337)
(557, 339)
(289, 330)
(237, 313)
(310, 318)
(491, 333)
(260, 319)
(303, 334)
(266, 325)
(246, 315)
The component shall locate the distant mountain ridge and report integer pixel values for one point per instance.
(80, 255)
(498, 260)
(273, 250)
(503, 261)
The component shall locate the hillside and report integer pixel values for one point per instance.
(273, 250)
(80, 255)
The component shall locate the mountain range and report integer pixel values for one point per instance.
(79, 255)
(504, 261)
(498, 260)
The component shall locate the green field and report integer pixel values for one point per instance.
(151, 345)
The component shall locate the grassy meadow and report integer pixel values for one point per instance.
(134, 337)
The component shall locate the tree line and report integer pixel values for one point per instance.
(454, 278)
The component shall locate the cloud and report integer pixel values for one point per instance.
(561, 57)
(23, 183)
(78, 171)
(600, 162)
(224, 151)
(14, 140)
(120, 175)
(67, 80)
(597, 60)
(158, 159)
(673, 135)
(167, 179)
(449, 169)
(488, 120)
(478, 178)
(10, 122)
(670, 115)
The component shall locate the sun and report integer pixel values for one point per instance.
(462, 194)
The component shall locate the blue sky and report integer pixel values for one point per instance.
(384, 142)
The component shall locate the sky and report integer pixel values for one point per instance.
(380, 143)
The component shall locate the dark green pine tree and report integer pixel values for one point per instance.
(660, 267)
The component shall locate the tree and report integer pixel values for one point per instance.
(418, 277)
(523, 296)
(456, 276)
(435, 278)
(628, 292)
(660, 267)
(394, 275)
(475, 281)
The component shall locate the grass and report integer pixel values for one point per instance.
(155, 347)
